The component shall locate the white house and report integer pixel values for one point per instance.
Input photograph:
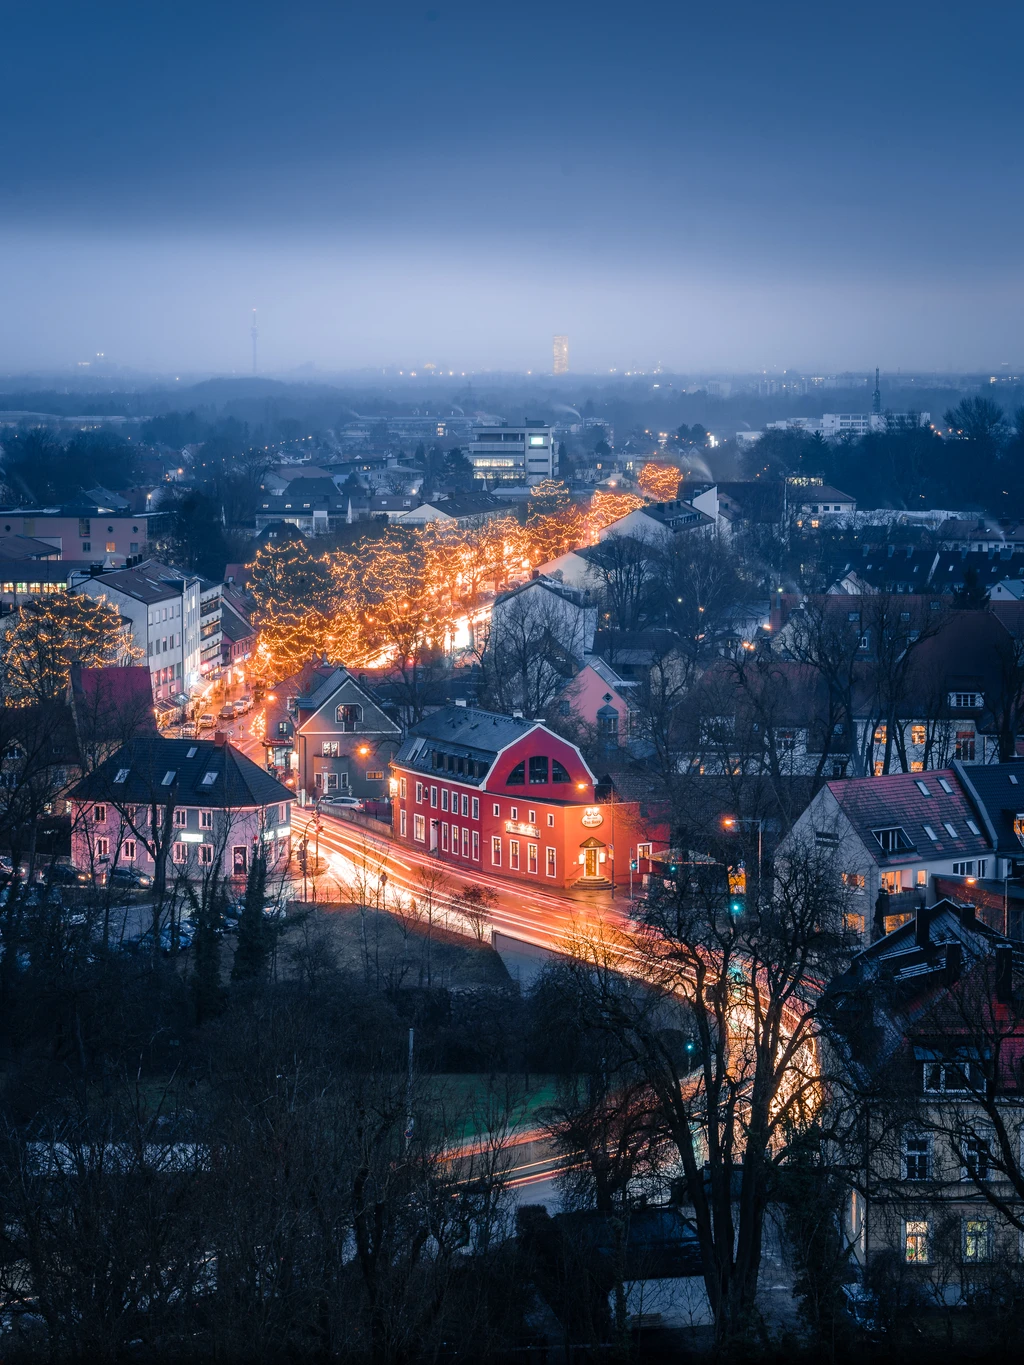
(163, 606)
(658, 522)
(543, 607)
(891, 836)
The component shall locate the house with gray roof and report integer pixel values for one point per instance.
(891, 837)
(190, 807)
(330, 734)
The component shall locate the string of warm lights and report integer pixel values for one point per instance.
(659, 481)
(402, 594)
(51, 635)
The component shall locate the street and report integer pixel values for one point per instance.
(543, 918)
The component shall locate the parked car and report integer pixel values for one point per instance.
(227, 711)
(63, 874)
(207, 721)
(129, 876)
(242, 705)
(340, 799)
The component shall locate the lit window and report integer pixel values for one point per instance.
(496, 850)
(976, 1239)
(915, 1242)
(549, 861)
(419, 829)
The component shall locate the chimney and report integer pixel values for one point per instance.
(954, 962)
(922, 927)
(220, 738)
(968, 917)
(1004, 973)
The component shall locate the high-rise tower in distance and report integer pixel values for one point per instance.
(560, 356)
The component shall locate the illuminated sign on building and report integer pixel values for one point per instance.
(592, 817)
(518, 827)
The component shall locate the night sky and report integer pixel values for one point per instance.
(726, 187)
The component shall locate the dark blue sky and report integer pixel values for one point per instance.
(716, 187)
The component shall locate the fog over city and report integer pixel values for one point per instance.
(394, 184)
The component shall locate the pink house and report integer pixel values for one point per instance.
(603, 700)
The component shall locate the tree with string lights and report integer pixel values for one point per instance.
(53, 634)
(659, 481)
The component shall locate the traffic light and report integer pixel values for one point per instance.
(634, 865)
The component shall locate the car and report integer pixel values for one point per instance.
(227, 711)
(63, 874)
(129, 876)
(242, 705)
(207, 721)
(340, 799)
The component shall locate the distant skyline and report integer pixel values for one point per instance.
(712, 190)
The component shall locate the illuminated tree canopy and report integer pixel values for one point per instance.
(51, 635)
(660, 481)
(401, 596)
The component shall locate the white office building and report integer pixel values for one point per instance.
(163, 606)
(524, 454)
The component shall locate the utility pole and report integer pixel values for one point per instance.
(410, 1122)
(254, 332)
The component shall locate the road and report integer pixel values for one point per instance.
(354, 856)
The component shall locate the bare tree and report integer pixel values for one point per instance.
(716, 1015)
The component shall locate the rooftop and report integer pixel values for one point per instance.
(189, 772)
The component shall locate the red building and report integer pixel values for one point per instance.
(510, 797)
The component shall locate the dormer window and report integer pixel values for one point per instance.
(349, 715)
(893, 839)
(539, 769)
(517, 777)
(966, 701)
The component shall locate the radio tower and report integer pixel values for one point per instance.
(254, 332)
(876, 397)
